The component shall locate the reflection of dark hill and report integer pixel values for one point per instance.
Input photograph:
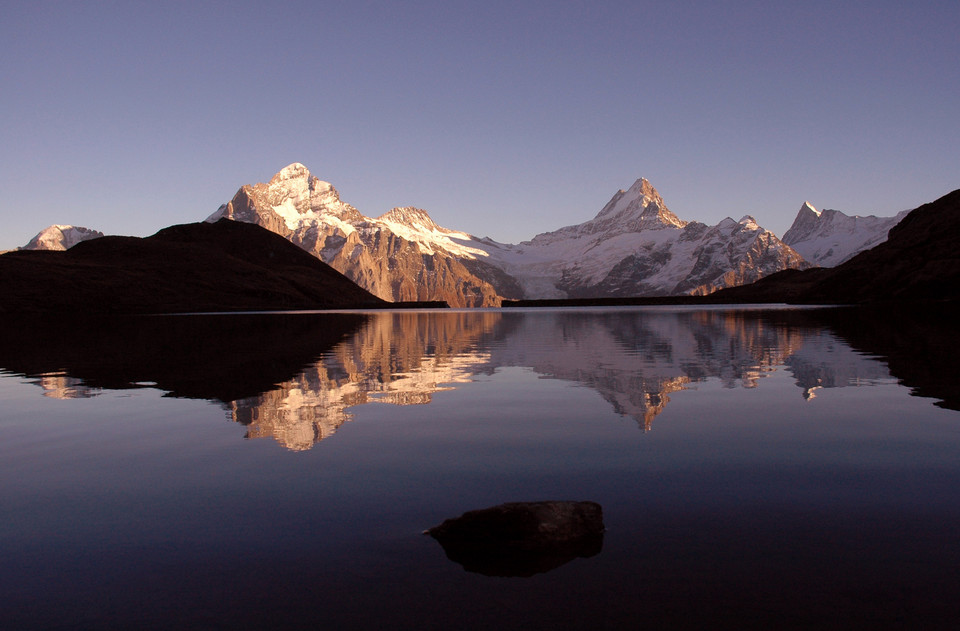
(226, 266)
(522, 538)
(919, 261)
(225, 357)
(920, 346)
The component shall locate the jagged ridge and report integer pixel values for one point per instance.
(634, 246)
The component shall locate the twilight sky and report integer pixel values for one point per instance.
(503, 119)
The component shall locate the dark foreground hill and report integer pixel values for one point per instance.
(919, 261)
(224, 266)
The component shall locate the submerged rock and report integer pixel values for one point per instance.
(522, 538)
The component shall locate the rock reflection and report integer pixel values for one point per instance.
(296, 377)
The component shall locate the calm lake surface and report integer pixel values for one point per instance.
(786, 468)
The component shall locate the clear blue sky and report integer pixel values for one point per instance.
(503, 119)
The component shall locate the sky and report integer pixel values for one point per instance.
(501, 119)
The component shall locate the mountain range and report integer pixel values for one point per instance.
(919, 261)
(635, 246)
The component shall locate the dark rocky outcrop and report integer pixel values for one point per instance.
(522, 538)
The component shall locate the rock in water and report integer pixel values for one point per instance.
(522, 538)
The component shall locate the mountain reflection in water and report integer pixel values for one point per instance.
(295, 377)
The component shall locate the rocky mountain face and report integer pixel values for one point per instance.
(634, 246)
(829, 237)
(400, 256)
(59, 237)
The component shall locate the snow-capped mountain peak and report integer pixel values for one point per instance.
(410, 216)
(294, 196)
(830, 237)
(292, 171)
(807, 222)
(414, 224)
(61, 237)
(640, 204)
(637, 209)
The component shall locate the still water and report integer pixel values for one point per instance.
(786, 468)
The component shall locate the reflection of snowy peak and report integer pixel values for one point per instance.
(633, 246)
(635, 360)
(830, 237)
(58, 237)
(824, 362)
(388, 362)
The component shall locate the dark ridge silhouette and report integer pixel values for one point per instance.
(224, 266)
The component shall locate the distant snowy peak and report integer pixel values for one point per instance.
(61, 237)
(414, 224)
(640, 204)
(806, 223)
(636, 209)
(412, 217)
(292, 172)
(829, 237)
(747, 222)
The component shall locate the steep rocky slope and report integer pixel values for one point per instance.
(401, 256)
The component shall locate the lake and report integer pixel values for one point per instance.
(783, 468)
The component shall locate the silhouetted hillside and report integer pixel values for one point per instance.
(224, 266)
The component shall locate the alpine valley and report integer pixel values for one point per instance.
(635, 246)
